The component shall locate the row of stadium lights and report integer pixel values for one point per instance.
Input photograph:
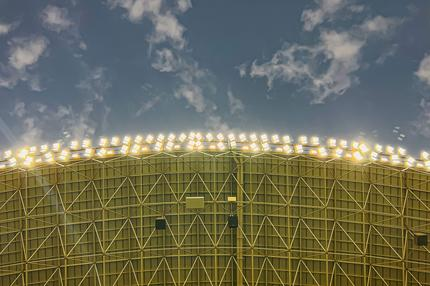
(195, 141)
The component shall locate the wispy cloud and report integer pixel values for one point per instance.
(59, 20)
(137, 9)
(422, 123)
(243, 69)
(184, 5)
(167, 28)
(194, 82)
(148, 105)
(164, 20)
(192, 78)
(423, 72)
(380, 25)
(25, 52)
(215, 123)
(390, 52)
(235, 104)
(39, 122)
(325, 10)
(55, 18)
(19, 110)
(327, 68)
(6, 28)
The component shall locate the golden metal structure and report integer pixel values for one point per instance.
(302, 221)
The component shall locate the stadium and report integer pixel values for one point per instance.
(214, 209)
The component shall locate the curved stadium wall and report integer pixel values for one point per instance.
(124, 218)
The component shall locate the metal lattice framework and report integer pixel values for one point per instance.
(302, 221)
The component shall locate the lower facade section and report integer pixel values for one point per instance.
(300, 221)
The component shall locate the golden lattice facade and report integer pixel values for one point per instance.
(302, 220)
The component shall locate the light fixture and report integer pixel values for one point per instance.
(115, 141)
(378, 148)
(303, 140)
(389, 149)
(331, 142)
(74, 145)
(86, 143)
(275, 138)
(343, 144)
(357, 155)
(138, 139)
(56, 147)
(104, 142)
(23, 153)
(126, 140)
(315, 141)
(298, 149)
(401, 151)
(209, 137)
(322, 152)
(286, 139)
(363, 148)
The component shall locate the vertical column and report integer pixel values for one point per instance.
(26, 226)
(239, 238)
(213, 168)
(141, 234)
(403, 201)
(326, 232)
(103, 194)
(364, 226)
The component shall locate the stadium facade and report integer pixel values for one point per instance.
(214, 210)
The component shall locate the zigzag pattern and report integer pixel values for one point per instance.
(302, 221)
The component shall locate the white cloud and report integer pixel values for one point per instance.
(423, 72)
(95, 84)
(165, 61)
(39, 121)
(328, 68)
(184, 5)
(192, 78)
(26, 51)
(422, 124)
(23, 54)
(148, 105)
(193, 94)
(55, 18)
(9, 77)
(380, 24)
(242, 69)
(19, 109)
(5, 28)
(167, 28)
(326, 9)
(299, 64)
(166, 25)
(32, 133)
(34, 84)
(235, 104)
(391, 51)
(216, 124)
(83, 46)
(137, 9)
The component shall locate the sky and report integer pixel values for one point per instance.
(343, 68)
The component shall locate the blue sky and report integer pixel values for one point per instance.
(344, 68)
